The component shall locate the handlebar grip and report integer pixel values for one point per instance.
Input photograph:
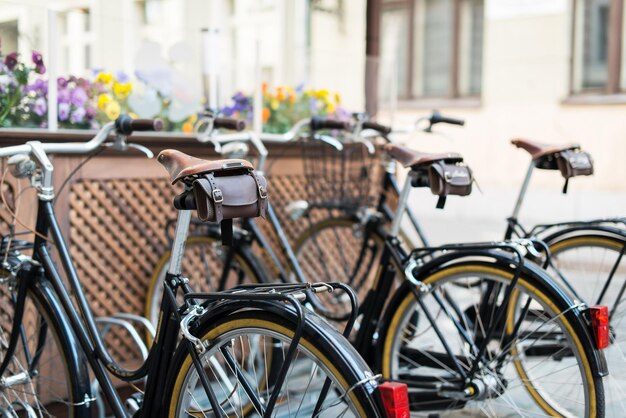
(229, 123)
(438, 118)
(318, 123)
(126, 125)
(385, 130)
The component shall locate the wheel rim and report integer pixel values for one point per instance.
(586, 263)
(516, 398)
(256, 350)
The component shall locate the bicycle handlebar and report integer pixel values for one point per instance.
(229, 123)
(437, 117)
(319, 123)
(121, 125)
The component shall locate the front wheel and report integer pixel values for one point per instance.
(536, 362)
(241, 360)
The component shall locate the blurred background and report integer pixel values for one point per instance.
(545, 70)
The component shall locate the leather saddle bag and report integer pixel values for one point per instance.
(225, 195)
(445, 178)
(574, 162)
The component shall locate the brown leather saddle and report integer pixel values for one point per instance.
(410, 158)
(180, 165)
(219, 190)
(569, 159)
(445, 173)
(538, 149)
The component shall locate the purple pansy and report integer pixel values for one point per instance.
(78, 115)
(11, 60)
(63, 96)
(78, 97)
(38, 61)
(121, 76)
(61, 83)
(90, 112)
(64, 111)
(40, 107)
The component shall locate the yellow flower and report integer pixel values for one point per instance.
(330, 107)
(280, 95)
(322, 94)
(103, 100)
(193, 118)
(187, 127)
(122, 90)
(292, 97)
(337, 98)
(112, 110)
(274, 104)
(104, 78)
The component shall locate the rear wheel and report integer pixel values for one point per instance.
(545, 370)
(247, 348)
(595, 266)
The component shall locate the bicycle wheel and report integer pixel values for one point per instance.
(336, 249)
(203, 264)
(45, 376)
(255, 342)
(544, 371)
(586, 262)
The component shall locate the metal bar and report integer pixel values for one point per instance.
(180, 237)
(522, 193)
(402, 204)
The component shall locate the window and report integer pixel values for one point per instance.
(76, 40)
(431, 48)
(598, 47)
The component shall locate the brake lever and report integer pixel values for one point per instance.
(141, 148)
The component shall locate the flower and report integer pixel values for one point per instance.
(90, 112)
(61, 83)
(78, 115)
(112, 110)
(104, 78)
(337, 98)
(330, 107)
(78, 97)
(121, 90)
(121, 76)
(187, 127)
(266, 114)
(274, 104)
(11, 61)
(64, 111)
(41, 106)
(103, 100)
(264, 87)
(40, 68)
(64, 96)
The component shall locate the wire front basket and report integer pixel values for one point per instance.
(337, 179)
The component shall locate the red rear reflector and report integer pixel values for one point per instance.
(395, 398)
(600, 324)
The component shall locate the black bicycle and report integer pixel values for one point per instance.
(586, 258)
(249, 351)
(477, 326)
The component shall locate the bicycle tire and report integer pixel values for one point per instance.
(402, 310)
(328, 250)
(195, 247)
(323, 346)
(586, 259)
(60, 384)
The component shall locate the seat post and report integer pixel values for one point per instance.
(178, 246)
(402, 202)
(522, 192)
